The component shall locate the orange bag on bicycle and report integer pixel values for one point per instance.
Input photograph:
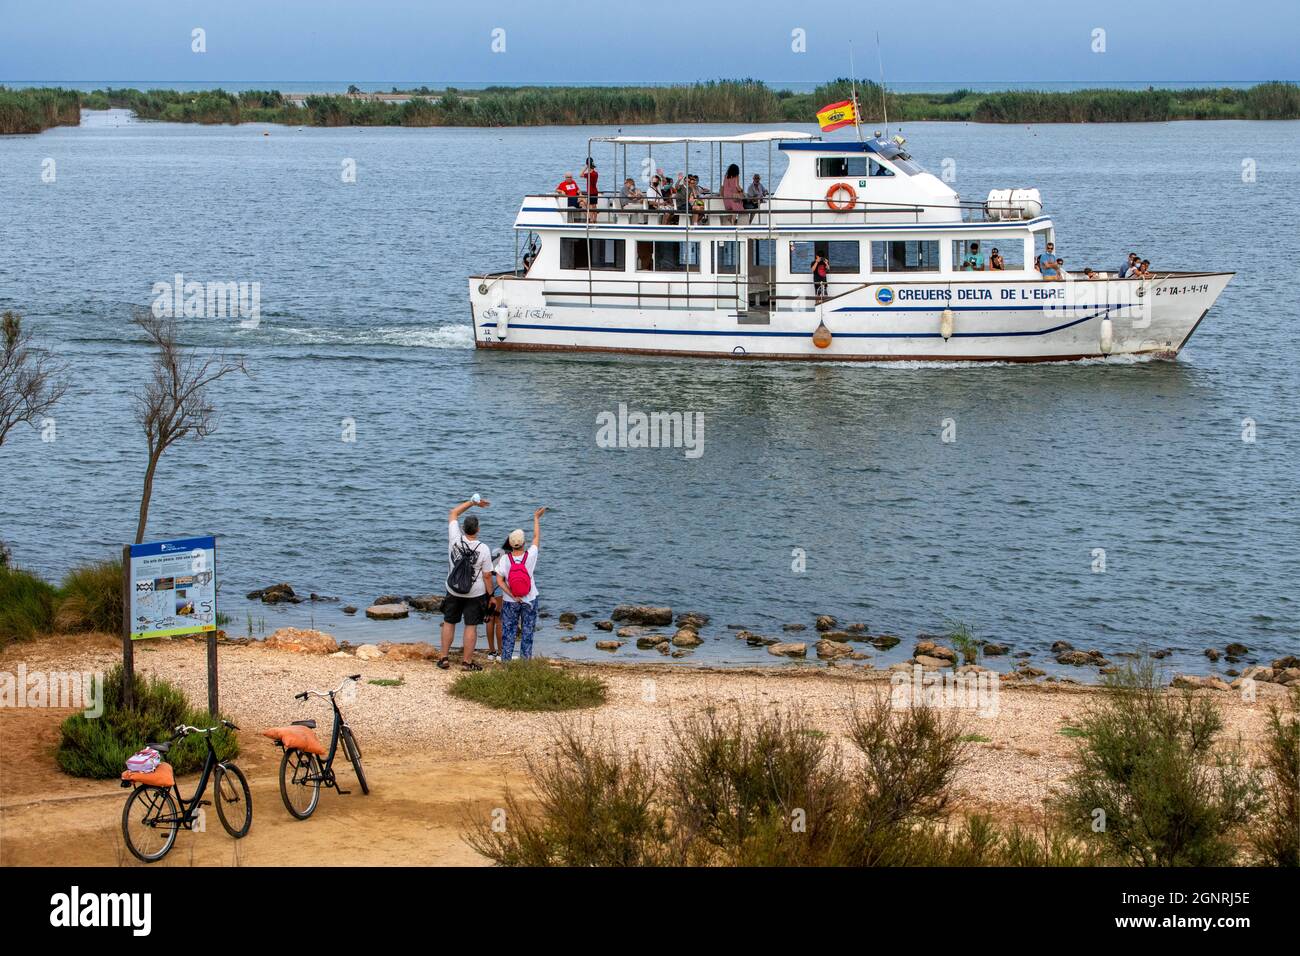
(160, 776)
(296, 738)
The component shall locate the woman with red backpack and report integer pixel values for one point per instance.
(516, 571)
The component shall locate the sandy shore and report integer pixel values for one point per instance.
(432, 758)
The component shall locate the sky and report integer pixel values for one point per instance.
(556, 41)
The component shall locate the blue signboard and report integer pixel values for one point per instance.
(173, 587)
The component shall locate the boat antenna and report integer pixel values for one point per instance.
(884, 105)
(853, 76)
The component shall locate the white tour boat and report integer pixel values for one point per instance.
(910, 273)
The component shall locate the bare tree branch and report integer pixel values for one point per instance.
(30, 382)
(173, 404)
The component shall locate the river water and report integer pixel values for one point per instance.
(822, 488)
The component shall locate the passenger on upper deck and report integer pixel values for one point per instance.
(821, 268)
(570, 190)
(590, 175)
(756, 193)
(1142, 271)
(733, 196)
(631, 197)
(1128, 266)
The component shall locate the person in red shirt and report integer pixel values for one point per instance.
(569, 188)
(590, 176)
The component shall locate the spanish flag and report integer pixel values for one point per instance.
(836, 115)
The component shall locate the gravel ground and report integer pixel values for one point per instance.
(1017, 755)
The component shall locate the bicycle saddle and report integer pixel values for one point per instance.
(162, 748)
(305, 723)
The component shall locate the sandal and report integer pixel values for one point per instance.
(444, 663)
(471, 666)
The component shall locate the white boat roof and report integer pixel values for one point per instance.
(759, 136)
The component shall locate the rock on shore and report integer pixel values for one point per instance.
(643, 614)
(388, 612)
(302, 641)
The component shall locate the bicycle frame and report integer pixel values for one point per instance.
(326, 775)
(189, 808)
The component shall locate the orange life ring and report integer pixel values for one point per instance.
(837, 205)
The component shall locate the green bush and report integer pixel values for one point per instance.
(92, 598)
(27, 605)
(1278, 837)
(1151, 786)
(98, 747)
(529, 685)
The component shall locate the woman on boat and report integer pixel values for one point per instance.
(995, 261)
(733, 196)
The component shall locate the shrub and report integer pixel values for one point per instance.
(1150, 787)
(529, 685)
(27, 605)
(753, 790)
(596, 809)
(1278, 837)
(92, 598)
(98, 747)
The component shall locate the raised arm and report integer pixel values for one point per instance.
(537, 527)
(455, 513)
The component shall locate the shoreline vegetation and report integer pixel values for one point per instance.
(32, 110)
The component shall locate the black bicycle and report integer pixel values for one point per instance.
(150, 819)
(307, 765)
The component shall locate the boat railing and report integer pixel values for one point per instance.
(711, 210)
(744, 293)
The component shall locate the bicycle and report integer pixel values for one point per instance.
(302, 770)
(150, 820)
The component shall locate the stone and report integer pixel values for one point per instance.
(573, 638)
(788, 650)
(368, 652)
(931, 649)
(839, 636)
(568, 619)
(418, 651)
(630, 631)
(651, 640)
(1211, 653)
(1282, 663)
(932, 663)
(1061, 646)
(857, 656)
(1074, 658)
(1192, 682)
(340, 654)
(1236, 650)
(604, 625)
(826, 622)
(350, 609)
(643, 614)
(829, 650)
(995, 650)
(856, 628)
(275, 594)
(681, 653)
(608, 645)
(1026, 671)
(884, 641)
(664, 648)
(427, 602)
(302, 641)
(388, 612)
(757, 640)
(320, 597)
(1020, 655)
(794, 627)
(388, 599)
(692, 619)
(1160, 655)
(686, 637)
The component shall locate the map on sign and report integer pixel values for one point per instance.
(173, 587)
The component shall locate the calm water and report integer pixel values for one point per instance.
(364, 316)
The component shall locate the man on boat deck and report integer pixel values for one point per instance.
(1127, 268)
(756, 192)
(590, 176)
(569, 188)
(974, 259)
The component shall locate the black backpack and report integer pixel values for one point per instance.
(461, 578)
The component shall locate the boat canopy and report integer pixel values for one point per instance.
(759, 136)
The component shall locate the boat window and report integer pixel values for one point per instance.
(842, 254)
(726, 258)
(1012, 252)
(840, 167)
(604, 254)
(762, 252)
(905, 255)
(668, 256)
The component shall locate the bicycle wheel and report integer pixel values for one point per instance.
(146, 838)
(234, 802)
(300, 783)
(353, 751)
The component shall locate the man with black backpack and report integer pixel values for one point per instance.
(468, 583)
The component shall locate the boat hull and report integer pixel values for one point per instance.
(1020, 320)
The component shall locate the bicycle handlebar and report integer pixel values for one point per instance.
(329, 693)
(184, 730)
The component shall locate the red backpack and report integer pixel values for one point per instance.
(518, 579)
